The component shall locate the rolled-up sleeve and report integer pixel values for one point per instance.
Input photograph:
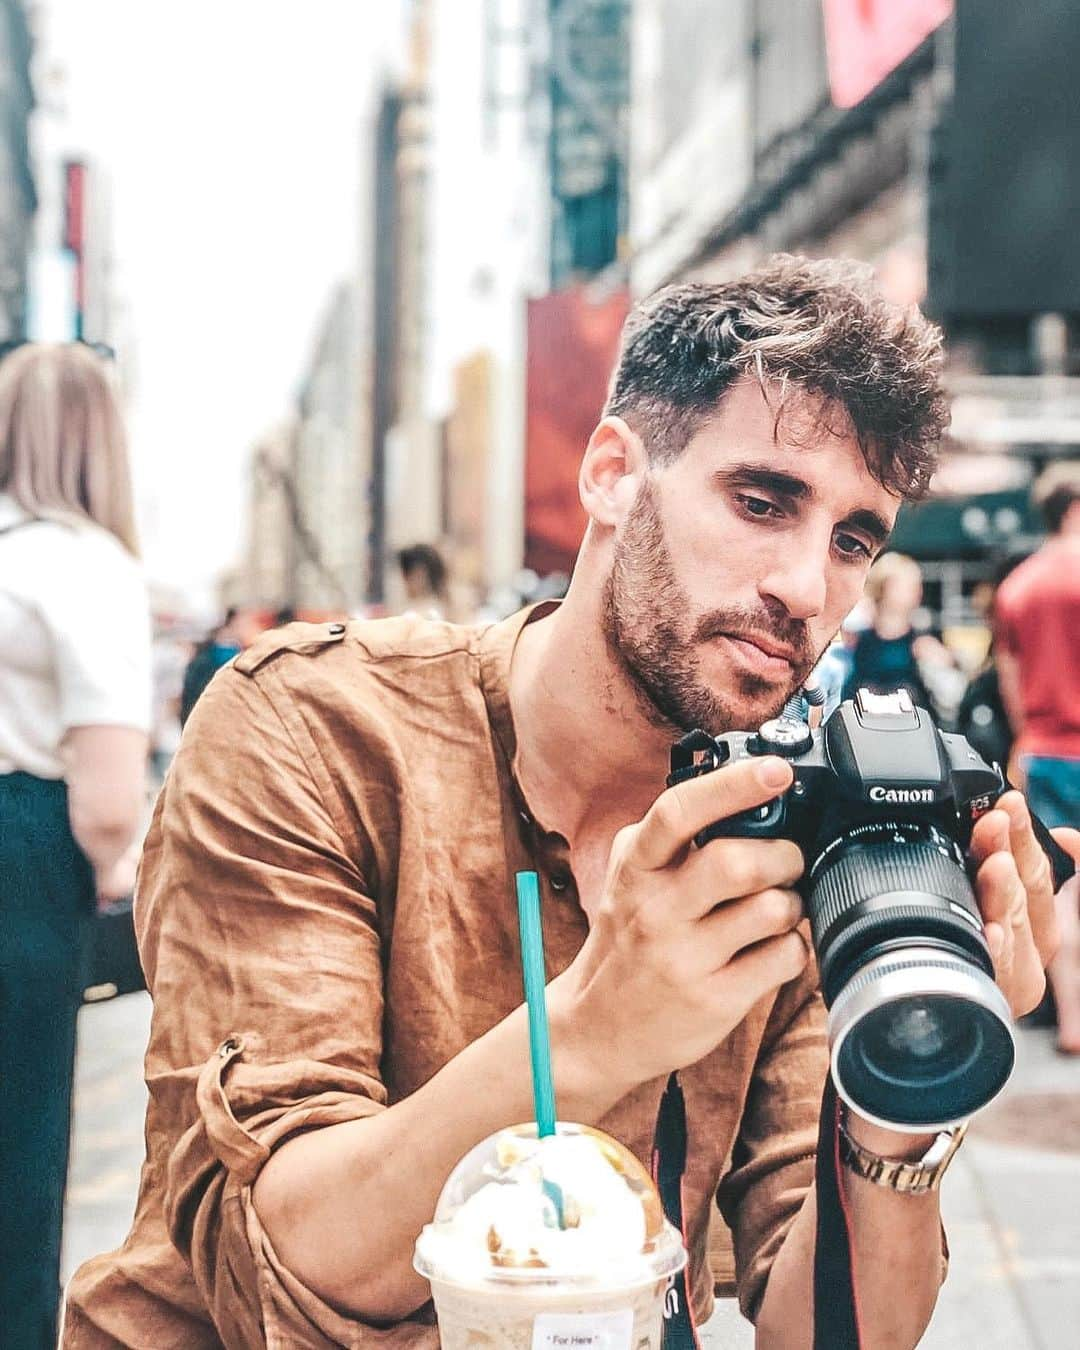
(262, 948)
(772, 1166)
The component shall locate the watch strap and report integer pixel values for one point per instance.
(900, 1175)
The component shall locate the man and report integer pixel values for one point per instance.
(1037, 647)
(327, 908)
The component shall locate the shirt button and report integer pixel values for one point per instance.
(559, 881)
(336, 629)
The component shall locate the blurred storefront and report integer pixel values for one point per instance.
(573, 336)
(469, 448)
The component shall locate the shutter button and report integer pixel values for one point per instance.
(336, 629)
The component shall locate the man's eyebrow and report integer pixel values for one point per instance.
(790, 485)
(772, 480)
(870, 523)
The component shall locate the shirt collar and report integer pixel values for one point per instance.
(496, 650)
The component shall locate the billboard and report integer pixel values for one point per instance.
(866, 39)
(572, 340)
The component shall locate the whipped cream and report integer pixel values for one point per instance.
(575, 1205)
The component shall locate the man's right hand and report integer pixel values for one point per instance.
(685, 940)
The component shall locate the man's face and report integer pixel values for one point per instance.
(736, 564)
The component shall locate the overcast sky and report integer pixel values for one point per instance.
(230, 132)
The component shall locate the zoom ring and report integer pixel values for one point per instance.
(887, 918)
(865, 871)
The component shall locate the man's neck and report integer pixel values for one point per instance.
(588, 760)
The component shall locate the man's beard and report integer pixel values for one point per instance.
(654, 640)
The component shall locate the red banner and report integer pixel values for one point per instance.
(866, 39)
(74, 206)
(572, 345)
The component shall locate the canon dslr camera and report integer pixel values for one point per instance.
(882, 806)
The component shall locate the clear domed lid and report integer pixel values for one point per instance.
(575, 1206)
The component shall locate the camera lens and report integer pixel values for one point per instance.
(920, 1034)
(922, 1060)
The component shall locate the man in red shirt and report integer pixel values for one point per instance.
(1037, 623)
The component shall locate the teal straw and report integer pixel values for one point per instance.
(532, 962)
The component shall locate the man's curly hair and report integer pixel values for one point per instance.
(793, 324)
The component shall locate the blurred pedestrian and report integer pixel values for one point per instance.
(1037, 637)
(170, 655)
(982, 717)
(74, 716)
(424, 576)
(236, 630)
(895, 651)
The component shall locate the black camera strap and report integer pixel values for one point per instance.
(668, 1168)
(836, 1320)
(836, 1311)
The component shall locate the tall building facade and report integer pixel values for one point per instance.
(265, 578)
(18, 196)
(330, 525)
(739, 148)
(588, 87)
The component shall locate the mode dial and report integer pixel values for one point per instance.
(785, 736)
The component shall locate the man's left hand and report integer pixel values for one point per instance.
(1015, 890)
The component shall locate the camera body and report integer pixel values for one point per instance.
(882, 805)
(879, 771)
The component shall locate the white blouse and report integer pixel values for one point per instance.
(74, 638)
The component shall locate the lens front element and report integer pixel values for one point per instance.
(920, 1040)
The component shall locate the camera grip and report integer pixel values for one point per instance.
(762, 822)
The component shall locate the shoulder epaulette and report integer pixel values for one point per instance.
(307, 639)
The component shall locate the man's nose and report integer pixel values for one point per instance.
(798, 581)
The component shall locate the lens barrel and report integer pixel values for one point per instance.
(920, 1035)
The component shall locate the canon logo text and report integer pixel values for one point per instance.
(881, 794)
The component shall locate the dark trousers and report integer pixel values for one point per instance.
(46, 904)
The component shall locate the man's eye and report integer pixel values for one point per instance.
(851, 547)
(758, 506)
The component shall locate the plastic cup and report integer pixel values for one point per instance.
(505, 1274)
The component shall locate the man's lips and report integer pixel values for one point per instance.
(767, 645)
(761, 654)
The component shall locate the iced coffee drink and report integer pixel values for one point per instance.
(556, 1243)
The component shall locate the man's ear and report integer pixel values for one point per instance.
(612, 468)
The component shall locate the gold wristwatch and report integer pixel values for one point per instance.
(907, 1178)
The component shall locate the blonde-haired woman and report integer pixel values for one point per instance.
(74, 714)
(893, 653)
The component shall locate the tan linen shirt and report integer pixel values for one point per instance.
(326, 916)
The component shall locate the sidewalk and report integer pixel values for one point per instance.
(1011, 1200)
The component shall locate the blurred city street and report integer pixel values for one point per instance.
(427, 429)
(1010, 1201)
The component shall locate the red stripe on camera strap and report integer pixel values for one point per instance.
(836, 1313)
(668, 1167)
(836, 1305)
